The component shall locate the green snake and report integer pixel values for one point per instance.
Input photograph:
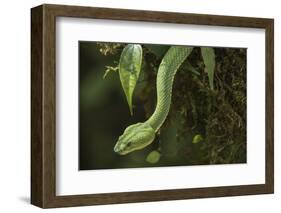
(140, 135)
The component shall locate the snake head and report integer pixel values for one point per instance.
(135, 137)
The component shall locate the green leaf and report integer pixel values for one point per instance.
(197, 138)
(129, 70)
(153, 157)
(158, 50)
(208, 55)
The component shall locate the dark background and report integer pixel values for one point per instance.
(103, 113)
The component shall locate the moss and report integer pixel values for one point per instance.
(218, 115)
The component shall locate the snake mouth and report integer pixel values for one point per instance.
(119, 150)
(116, 148)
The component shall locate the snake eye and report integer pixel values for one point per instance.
(129, 143)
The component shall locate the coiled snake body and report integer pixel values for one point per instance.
(139, 135)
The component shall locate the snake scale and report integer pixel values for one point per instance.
(140, 135)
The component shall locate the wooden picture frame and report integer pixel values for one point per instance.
(43, 105)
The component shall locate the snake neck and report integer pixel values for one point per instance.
(168, 68)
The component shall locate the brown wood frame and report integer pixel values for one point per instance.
(43, 106)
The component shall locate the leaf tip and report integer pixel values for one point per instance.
(131, 110)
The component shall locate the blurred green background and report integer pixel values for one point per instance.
(103, 113)
(216, 119)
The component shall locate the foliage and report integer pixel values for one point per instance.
(109, 48)
(129, 70)
(208, 55)
(110, 69)
(204, 126)
(153, 157)
(197, 138)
